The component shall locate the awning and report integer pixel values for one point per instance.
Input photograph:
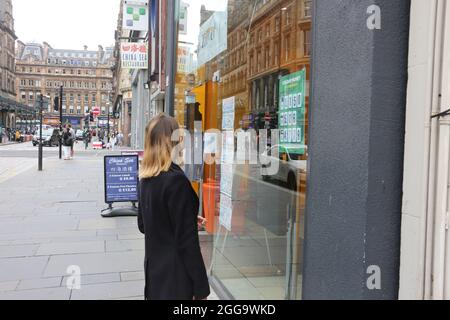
(14, 106)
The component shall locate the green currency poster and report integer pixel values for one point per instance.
(291, 117)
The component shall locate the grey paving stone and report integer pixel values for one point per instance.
(8, 285)
(132, 276)
(124, 231)
(97, 223)
(37, 294)
(70, 248)
(40, 224)
(125, 245)
(96, 278)
(132, 298)
(130, 237)
(17, 251)
(96, 263)
(22, 268)
(40, 283)
(109, 291)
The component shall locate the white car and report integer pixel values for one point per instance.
(288, 169)
(79, 135)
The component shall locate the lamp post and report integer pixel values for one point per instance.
(61, 91)
(41, 153)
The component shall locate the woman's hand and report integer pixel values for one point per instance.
(201, 222)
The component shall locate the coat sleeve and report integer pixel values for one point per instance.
(183, 210)
(139, 219)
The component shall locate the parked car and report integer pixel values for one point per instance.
(79, 135)
(50, 137)
(288, 169)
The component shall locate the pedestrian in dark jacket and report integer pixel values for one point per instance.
(168, 208)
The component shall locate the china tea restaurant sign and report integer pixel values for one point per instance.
(292, 112)
(134, 55)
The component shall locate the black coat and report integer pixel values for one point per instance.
(174, 267)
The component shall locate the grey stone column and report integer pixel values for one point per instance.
(356, 146)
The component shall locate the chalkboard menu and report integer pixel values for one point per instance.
(121, 178)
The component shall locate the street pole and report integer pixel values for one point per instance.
(108, 126)
(172, 38)
(41, 105)
(60, 121)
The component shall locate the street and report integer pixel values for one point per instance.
(50, 223)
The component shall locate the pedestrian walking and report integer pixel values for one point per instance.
(168, 208)
(67, 143)
(72, 133)
(86, 139)
(113, 142)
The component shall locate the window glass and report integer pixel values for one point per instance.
(243, 70)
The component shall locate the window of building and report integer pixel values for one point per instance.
(307, 44)
(307, 8)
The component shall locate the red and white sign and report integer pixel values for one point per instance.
(98, 145)
(96, 111)
(134, 55)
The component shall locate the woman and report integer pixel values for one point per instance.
(168, 207)
(67, 143)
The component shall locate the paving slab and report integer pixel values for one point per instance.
(59, 248)
(109, 291)
(132, 276)
(40, 283)
(125, 245)
(9, 285)
(95, 278)
(17, 251)
(22, 268)
(37, 294)
(96, 263)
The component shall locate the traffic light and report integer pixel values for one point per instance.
(56, 103)
(91, 116)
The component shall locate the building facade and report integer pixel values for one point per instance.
(85, 75)
(7, 51)
(10, 110)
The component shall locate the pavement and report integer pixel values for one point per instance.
(54, 245)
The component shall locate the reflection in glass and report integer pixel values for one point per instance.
(243, 68)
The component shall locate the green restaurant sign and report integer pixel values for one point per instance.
(291, 118)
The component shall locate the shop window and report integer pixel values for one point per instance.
(256, 216)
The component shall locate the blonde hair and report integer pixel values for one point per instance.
(158, 146)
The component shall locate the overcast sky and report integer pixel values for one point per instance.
(67, 24)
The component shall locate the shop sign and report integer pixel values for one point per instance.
(134, 55)
(228, 113)
(291, 118)
(227, 167)
(121, 178)
(213, 37)
(135, 15)
(184, 59)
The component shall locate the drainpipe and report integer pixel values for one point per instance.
(432, 135)
(440, 267)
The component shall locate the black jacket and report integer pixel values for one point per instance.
(168, 209)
